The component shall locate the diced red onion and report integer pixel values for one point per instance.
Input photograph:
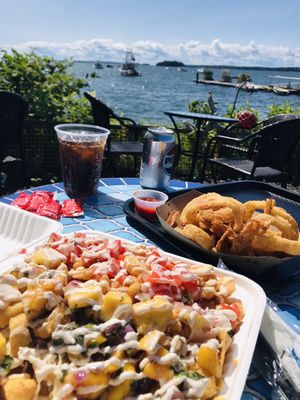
(80, 376)
(128, 329)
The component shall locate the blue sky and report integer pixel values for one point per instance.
(252, 32)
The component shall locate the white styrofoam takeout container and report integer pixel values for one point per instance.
(19, 229)
(239, 356)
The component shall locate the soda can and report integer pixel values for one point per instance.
(158, 156)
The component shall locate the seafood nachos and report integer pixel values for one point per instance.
(85, 317)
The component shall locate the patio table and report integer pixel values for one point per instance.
(199, 118)
(104, 212)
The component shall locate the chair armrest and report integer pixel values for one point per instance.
(220, 138)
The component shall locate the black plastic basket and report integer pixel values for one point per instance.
(168, 239)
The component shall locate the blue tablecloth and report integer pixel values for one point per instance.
(104, 212)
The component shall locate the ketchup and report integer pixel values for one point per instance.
(151, 199)
(147, 212)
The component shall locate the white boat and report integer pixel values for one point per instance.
(290, 86)
(283, 91)
(128, 67)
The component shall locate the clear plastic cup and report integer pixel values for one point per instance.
(81, 150)
(147, 200)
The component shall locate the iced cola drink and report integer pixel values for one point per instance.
(81, 152)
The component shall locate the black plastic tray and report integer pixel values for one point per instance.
(241, 190)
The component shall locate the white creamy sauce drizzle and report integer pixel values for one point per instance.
(129, 280)
(8, 279)
(124, 376)
(145, 308)
(84, 391)
(171, 383)
(212, 344)
(102, 268)
(23, 282)
(196, 388)
(123, 311)
(131, 336)
(132, 344)
(63, 392)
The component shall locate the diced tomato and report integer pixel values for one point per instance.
(78, 250)
(177, 279)
(116, 248)
(233, 307)
(155, 277)
(155, 253)
(54, 237)
(113, 269)
(235, 324)
(121, 279)
(190, 286)
(170, 265)
(165, 289)
(79, 235)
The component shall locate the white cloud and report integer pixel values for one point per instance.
(191, 52)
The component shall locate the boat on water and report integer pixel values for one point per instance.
(98, 65)
(290, 86)
(128, 67)
(283, 91)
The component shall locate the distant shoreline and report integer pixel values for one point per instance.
(253, 68)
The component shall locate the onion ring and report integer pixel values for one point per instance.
(194, 212)
(280, 212)
(278, 222)
(270, 244)
(269, 208)
(197, 235)
(189, 212)
(251, 206)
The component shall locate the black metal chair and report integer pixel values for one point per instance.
(102, 116)
(13, 109)
(262, 155)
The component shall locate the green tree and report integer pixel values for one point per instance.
(52, 93)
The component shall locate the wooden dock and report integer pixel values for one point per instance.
(217, 83)
(251, 87)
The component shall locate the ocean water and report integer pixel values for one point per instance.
(145, 98)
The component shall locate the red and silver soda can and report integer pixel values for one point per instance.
(158, 155)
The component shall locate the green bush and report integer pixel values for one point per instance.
(51, 92)
(284, 108)
(199, 106)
